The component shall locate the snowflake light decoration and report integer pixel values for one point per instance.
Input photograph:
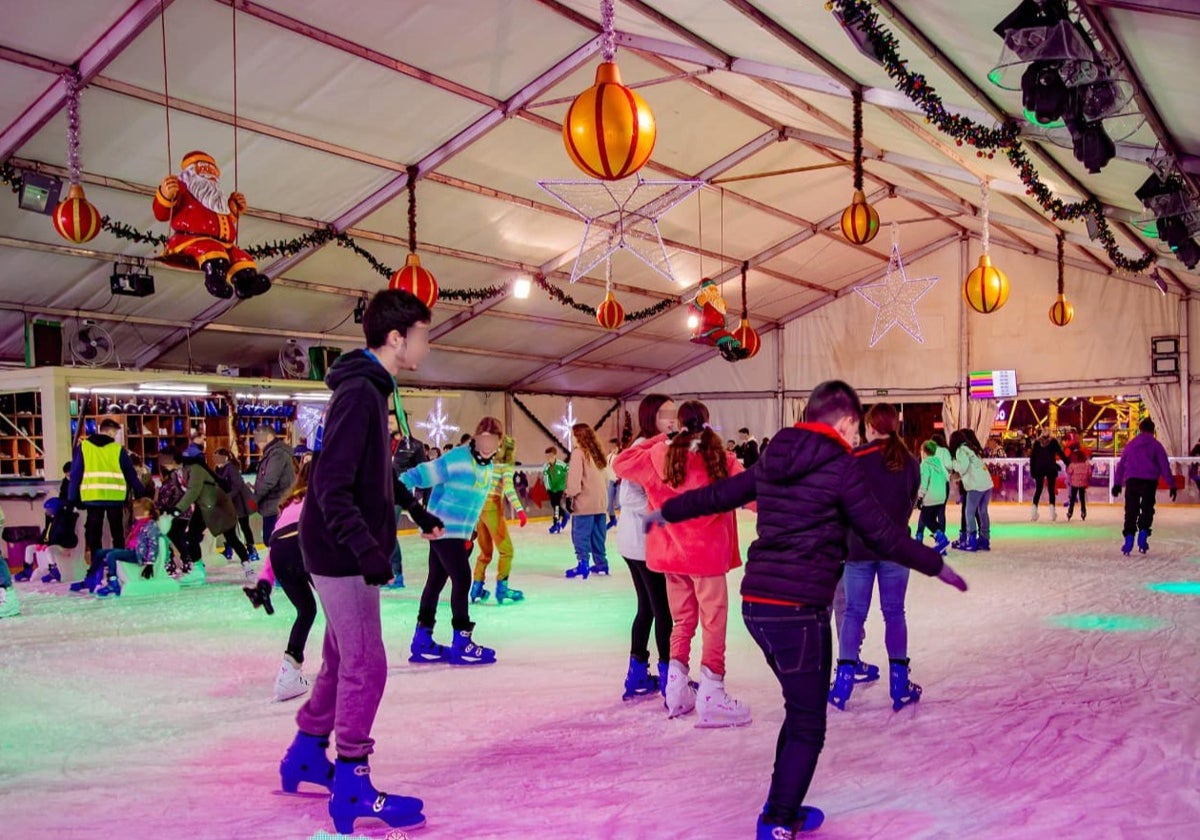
(437, 425)
(621, 214)
(895, 299)
(563, 426)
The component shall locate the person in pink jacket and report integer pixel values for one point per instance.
(695, 557)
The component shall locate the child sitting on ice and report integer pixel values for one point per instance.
(695, 557)
(141, 548)
(1079, 476)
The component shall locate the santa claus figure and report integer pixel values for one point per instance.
(204, 229)
(709, 310)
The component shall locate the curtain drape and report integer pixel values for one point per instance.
(1163, 402)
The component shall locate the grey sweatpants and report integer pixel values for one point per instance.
(349, 686)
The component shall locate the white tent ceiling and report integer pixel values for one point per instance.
(334, 101)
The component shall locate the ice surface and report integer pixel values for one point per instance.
(153, 719)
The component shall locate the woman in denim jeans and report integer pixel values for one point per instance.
(895, 479)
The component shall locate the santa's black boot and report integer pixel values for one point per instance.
(214, 278)
(249, 283)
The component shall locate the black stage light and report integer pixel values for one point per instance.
(1091, 144)
(1188, 253)
(1043, 92)
(39, 193)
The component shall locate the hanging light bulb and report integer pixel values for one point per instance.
(522, 288)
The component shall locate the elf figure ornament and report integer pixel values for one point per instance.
(204, 229)
(710, 308)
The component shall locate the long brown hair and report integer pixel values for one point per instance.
(585, 436)
(300, 488)
(885, 419)
(693, 425)
(648, 410)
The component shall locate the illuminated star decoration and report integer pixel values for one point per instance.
(895, 299)
(621, 214)
(563, 426)
(437, 424)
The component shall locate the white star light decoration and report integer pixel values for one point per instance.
(563, 426)
(437, 425)
(895, 299)
(621, 214)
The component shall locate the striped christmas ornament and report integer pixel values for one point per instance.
(610, 314)
(860, 222)
(749, 338)
(75, 218)
(1061, 311)
(609, 130)
(416, 280)
(986, 287)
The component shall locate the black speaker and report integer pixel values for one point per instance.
(43, 343)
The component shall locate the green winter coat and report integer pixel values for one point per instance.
(213, 503)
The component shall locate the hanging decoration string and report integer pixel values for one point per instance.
(895, 235)
(600, 423)
(233, 7)
(857, 96)
(986, 139)
(745, 308)
(700, 227)
(1061, 260)
(72, 81)
(986, 236)
(608, 39)
(541, 427)
(412, 208)
(162, 19)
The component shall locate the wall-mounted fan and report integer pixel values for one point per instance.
(91, 345)
(293, 360)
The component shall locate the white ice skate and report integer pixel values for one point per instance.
(289, 682)
(1053, 512)
(681, 696)
(1033, 516)
(716, 708)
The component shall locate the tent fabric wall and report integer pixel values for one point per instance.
(832, 342)
(1163, 401)
(550, 409)
(716, 374)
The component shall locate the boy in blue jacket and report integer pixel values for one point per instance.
(811, 495)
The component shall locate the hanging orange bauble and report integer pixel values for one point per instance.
(1061, 312)
(749, 338)
(860, 222)
(609, 129)
(416, 280)
(610, 314)
(75, 218)
(986, 287)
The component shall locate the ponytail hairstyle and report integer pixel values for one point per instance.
(586, 439)
(885, 420)
(300, 488)
(693, 426)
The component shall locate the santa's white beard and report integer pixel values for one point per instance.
(205, 189)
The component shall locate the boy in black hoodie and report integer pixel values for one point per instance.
(347, 530)
(811, 493)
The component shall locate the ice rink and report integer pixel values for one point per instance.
(1061, 700)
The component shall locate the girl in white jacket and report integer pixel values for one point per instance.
(656, 415)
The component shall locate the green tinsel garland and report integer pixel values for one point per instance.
(985, 139)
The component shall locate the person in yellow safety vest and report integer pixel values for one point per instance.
(102, 478)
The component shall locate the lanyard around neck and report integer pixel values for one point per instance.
(397, 405)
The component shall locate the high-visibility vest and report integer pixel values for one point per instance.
(103, 480)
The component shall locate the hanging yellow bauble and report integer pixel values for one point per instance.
(749, 338)
(860, 222)
(609, 129)
(416, 280)
(1061, 312)
(610, 314)
(986, 287)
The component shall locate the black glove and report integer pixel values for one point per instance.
(378, 579)
(1174, 493)
(424, 520)
(1116, 490)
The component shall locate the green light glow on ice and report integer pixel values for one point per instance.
(1107, 623)
(1177, 587)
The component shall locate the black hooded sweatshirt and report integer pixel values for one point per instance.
(348, 525)
(811, 494)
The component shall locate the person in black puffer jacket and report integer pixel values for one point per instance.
(1043, 468)
(347, 529)
(811, 494)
